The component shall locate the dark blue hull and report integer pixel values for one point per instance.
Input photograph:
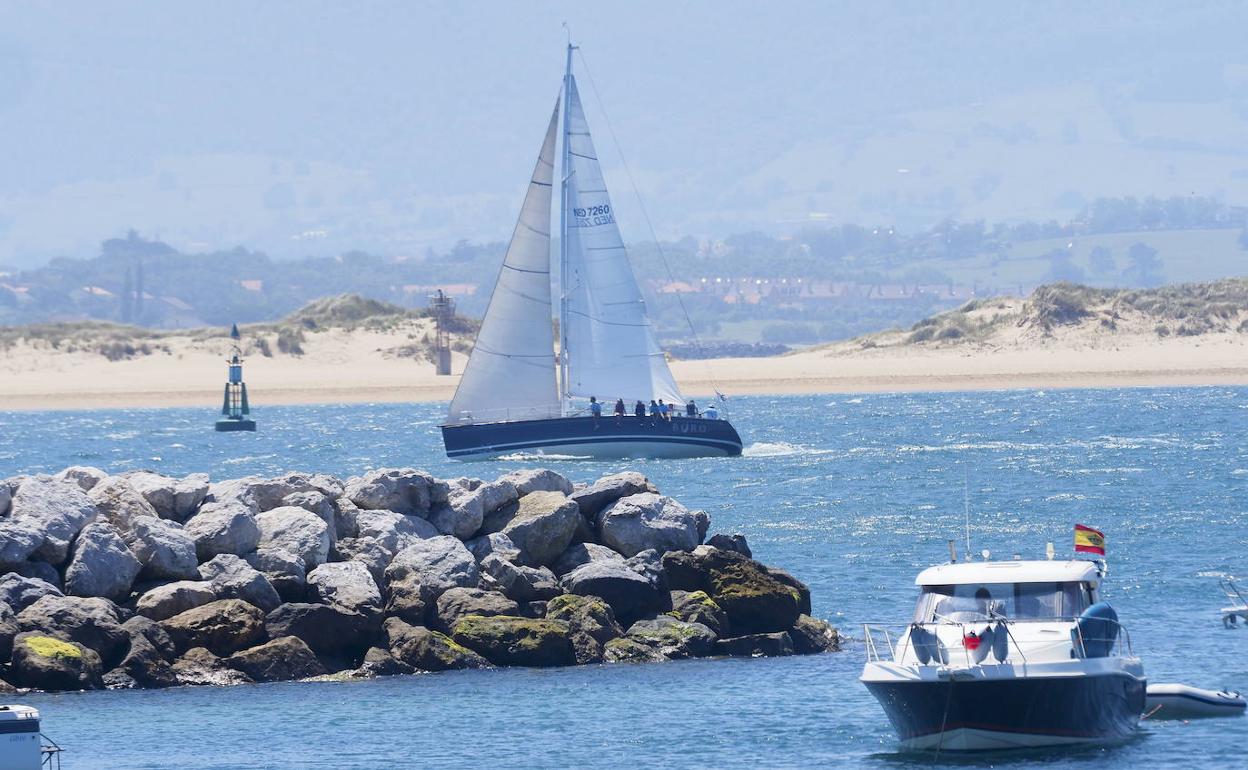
(585, 437)
(1012, 713)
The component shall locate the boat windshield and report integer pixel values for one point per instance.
(969, 602)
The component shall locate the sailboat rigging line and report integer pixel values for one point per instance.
(697, 341)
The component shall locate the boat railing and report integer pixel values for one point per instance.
(893, 642)
(506, 415)
(896, 651)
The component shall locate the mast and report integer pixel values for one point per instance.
(563, 243)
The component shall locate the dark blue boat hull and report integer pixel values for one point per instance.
(1012, 713)
(583, 437)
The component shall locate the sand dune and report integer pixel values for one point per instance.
(352, 367)
(1062, 337)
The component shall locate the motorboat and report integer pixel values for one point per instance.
(22, 745)
(1007, 655)
(516, 394)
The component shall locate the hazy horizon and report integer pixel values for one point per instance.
(311, 129)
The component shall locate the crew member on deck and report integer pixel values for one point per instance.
(595, 409)
(619, 410)
(711, 412)
(691, 409)
(655, 412)
(639, 410)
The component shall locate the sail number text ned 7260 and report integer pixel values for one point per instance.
(593, 215)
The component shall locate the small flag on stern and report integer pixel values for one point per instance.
(1088, 540)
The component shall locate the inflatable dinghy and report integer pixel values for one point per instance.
(1180, 701)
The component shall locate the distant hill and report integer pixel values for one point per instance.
(1066, 313)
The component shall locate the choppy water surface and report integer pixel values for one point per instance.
(854, 494)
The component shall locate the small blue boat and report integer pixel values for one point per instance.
(597, 397)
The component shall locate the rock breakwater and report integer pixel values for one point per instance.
(141, 580)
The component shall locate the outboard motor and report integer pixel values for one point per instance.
(1097, 628)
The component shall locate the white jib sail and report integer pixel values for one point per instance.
(511, 372)
(612, 352)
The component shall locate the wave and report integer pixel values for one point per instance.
(539, 457)
(780, 449)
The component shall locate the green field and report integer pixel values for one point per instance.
(1187, 255)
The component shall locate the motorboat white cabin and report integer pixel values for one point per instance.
(21, 743)
(1007, 654)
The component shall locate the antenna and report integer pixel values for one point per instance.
(966, 511)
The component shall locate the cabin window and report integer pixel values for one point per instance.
(969, 602)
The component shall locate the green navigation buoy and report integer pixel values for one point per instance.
(234, 408)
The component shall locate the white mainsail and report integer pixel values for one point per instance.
(609, 343)
(511, 373)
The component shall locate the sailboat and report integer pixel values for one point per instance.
(516, 395)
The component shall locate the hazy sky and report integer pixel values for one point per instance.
(315, 127)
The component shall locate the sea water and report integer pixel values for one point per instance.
(852, 493)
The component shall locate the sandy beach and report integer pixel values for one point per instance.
(359, 367)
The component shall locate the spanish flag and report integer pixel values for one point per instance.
(1088, 540)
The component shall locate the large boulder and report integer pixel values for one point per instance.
(754, 600)
(347, 585)
(284, 658)
(18, 540)
(329, 631)
(607, 490)
(631, 595)
(537, 480)
(85, 476)
(456, 603)
(233, 578)
(261, 494)
(89, 621)
(731, 543)
(672, 638)
(402, 490)
(698, 607)
(152, 633)
(173, 499)
(591, 621)
(582, 553)
(770, 645)
(380, 662)
(466, 509)
(542, 526)
(803, 592)
(299, 531)
(8, 630)
(426, 650)
(405, 601)
(101, 564)
(58, 509)
(647, 521)
(494, 543)
(519, 582)
(20, 592)
(626, 650)
(119, 502)
(219, 528)
(47, 663)
(319, 503)
(169, 599)
(435, 564)
(514, 641)
(284, 571)
(39, 570)
(374, 556)
(144, 665)
(393, 531)
(223, 627)
(811, 636)
(199, 667)
(166, 552)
